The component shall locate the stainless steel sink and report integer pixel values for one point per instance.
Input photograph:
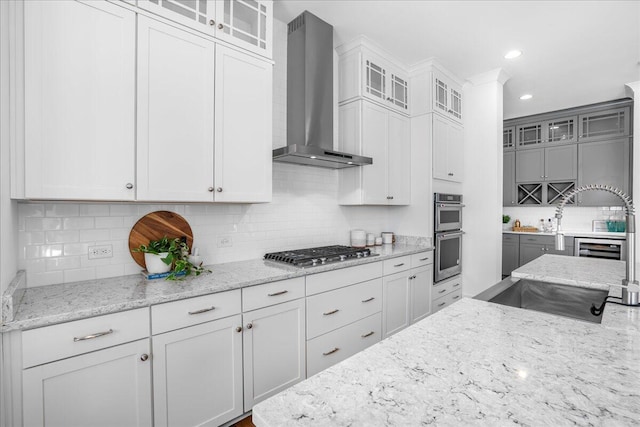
(554, 298)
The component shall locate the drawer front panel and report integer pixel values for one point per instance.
(332, 310)
(395, 265)
(443, 288)
(329, 349)
(423, 258)
(440, 303)
(541, 240)
(510, 238)
(178, 314)
(268, 294)
(56, 342)
(335, 279)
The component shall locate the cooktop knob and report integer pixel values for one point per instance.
(358, 254)
(323, 260)
(343, 257)
(314, 261)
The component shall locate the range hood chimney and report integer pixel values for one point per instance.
(310, 98)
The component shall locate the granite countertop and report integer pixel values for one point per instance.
(576, 233)
(45, 305)
(478, 363)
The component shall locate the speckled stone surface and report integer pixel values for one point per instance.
(46, 305)
(475, 363)
(13, 296)
(576, 271)
(478, 363)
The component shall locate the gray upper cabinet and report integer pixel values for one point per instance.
(555, 131)
(561, 163)
(509, 179)
(509, 138)
(607, 124)
(529, 135)
(530, 165)
(604, 162)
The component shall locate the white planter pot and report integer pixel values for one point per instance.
(155, 264)
(506, 227)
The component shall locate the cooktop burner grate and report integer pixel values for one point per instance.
(318, 256)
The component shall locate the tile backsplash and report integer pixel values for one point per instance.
(574, 218)
(54, 238)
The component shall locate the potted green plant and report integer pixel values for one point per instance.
(505, 222)
(169, 254)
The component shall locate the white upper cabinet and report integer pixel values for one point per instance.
(79, 105)
(448, 149)
(244, 23)
(371, 130)
(366, 73)
(243, 127)
(446, 96)
(175, 114)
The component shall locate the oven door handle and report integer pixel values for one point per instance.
(446, 235)
(451, 205)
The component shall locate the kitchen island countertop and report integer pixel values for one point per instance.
(478, 363)
(45, 305)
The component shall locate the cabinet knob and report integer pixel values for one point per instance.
(129, 186)
(220, 26)
(210, 189)
(212, 22)
(450, 174)
(219, 189)
(238, 328)
(144, 357)
(249, 325)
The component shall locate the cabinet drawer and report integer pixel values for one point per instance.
(423, 258)
(332, 310)
(268, 294)
(443, 288)
(394, 265)
(329, 349)
(510, 238)
(335, 279)
(440, 303)
(178, 314)
(542, 240)
(56, 342)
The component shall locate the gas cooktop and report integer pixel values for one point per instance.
(319, 256)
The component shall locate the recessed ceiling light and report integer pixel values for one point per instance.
(313, 157)
(513, 54)
(349, 163)
(526, 96)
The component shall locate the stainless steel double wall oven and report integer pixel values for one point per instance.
(448, 235)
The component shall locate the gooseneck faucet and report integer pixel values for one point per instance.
(630, 289)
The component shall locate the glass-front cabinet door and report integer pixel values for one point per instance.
(246, 23)
(399, 92)
(375, 80)
(509, 138)
(604, 124)
(561, 130)
(529, 135)
(440, 95)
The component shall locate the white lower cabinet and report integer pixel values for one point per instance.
(104, 388)
(395, 303)
(273, 348)
(421, 284)
(446, 293)
(197, 374)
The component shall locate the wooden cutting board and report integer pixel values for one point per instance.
(155, 226)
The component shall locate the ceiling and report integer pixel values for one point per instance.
(575, 52)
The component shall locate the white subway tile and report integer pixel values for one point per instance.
(71, 249)
(80, 274)
(62, 263)
(132, 268)
(103, 271)
(94, 210)
(123, 210)
(93, 235)
(61, 209)
(108, 221)
(31, 238)
(30, 209)
(61, 236)
(119, 233)
(37, 224)
(77, 223)
(41, 279)
(195, 210)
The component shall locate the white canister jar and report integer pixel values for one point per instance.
(358, 238)
(371, 239)
(387, 238)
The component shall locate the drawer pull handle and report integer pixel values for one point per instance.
(368, 299)
(399, 265)
(331, 352)
(144, 357)
(277, 293)
(457, 284)
(424, 259)
(441, 304)
(442, 290)
(367, 335)
(204, 310)
(456, 297)
(92, 336)
(331, 312)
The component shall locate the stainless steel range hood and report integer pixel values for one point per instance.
(310, 98)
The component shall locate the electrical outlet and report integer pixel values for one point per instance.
(102, 251)
(225, 242)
